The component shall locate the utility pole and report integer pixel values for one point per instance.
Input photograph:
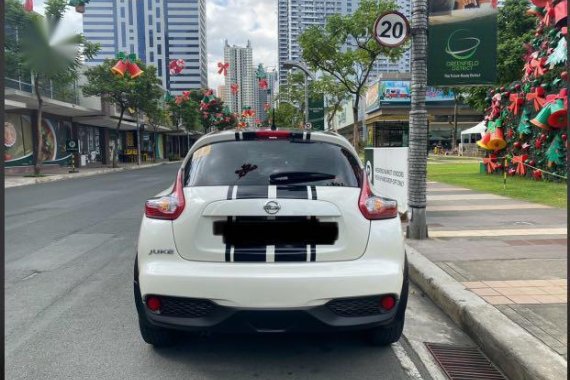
(306, 98)
(417, 153)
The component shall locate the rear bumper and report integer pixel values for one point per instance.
(234, 320)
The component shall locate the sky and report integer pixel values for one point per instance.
(234, 20)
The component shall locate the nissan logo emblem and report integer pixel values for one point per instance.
(272, 207)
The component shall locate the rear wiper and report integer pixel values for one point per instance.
(296, 177)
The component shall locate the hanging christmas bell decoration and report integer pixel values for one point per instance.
(126, 64)
(558, 114)
(484, 141)
(561, 14)
(497, 141)
(541, 119)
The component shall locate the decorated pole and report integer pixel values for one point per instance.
(417, 156)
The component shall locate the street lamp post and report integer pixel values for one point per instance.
(305, 70)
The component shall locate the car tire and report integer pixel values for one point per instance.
(156, 336)
(391, 333)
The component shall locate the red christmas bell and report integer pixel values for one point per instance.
(120, 68)
(134, 70)
(497, 141)
(28, 5)
(561, 13)
(484, 141)
(558, 114)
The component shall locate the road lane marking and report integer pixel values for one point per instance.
(406, 362)
(498, 232)
(515, 206)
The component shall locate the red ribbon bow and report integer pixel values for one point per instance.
(491, 163)
(537, 65)
(519, 160)
(563, 94)
(537, 97)
(548, 14)
(234, 87)
(223, 68)
(517, 100)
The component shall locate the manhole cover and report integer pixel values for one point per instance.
(464, 363)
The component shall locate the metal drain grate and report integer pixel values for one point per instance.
(464, 363)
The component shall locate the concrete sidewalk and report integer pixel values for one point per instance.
(62, 173)
(509, 253)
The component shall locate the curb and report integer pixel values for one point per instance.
(515, 351)
(61, 177)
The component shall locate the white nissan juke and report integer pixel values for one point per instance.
(270, 231)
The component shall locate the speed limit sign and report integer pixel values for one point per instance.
(391, 29)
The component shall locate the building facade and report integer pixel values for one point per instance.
(294, 16)
(241, 73)
(157, 32)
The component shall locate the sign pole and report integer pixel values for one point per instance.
(417, 155)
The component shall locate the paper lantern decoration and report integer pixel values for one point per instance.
(176, 66)
(223, 68)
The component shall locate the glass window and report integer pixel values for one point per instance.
(253, 163)
(122, 12)
(158, 27)
(159, 49)
(150, 38)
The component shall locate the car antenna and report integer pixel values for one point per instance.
(273, 126)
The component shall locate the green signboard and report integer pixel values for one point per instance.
(462, 44)
(317, 112)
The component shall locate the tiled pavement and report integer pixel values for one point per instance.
(511, 253)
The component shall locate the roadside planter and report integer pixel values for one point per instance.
(388, 172)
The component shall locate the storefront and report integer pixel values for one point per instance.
(18, 139)
(91, 145)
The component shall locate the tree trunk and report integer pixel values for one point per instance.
(154, 138)
(355, 134)
(39, 139)
(417, 153)
(116, 138)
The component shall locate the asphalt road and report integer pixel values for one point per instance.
(70, 248)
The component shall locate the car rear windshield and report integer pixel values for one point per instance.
(266, 162)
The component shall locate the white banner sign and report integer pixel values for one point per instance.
(388, 172)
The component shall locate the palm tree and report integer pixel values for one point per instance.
(50, 58)
(417, 153)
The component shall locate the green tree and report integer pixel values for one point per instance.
(323, 49)
(156, 116)
(124, 92)
(335, 93)
(287, 115)
(38, 51)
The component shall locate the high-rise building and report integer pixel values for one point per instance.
(242, 74)
(294, 16)
(220, 92)
(157, 32)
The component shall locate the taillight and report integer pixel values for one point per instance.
(168, 207)
(373, 206)
(272, 135)
(153, 304)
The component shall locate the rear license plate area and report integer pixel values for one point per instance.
(276, 231)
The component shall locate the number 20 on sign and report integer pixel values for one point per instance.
(391, 29)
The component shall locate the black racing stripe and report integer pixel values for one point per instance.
(308, 136)
(314, 192)
(249, 135)
(292, 192)
(237, 136)
(296, 135)
(290, 253)
(252, 192)
(250, 253)
(313, 252)
(230, 191)
(228, 251)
